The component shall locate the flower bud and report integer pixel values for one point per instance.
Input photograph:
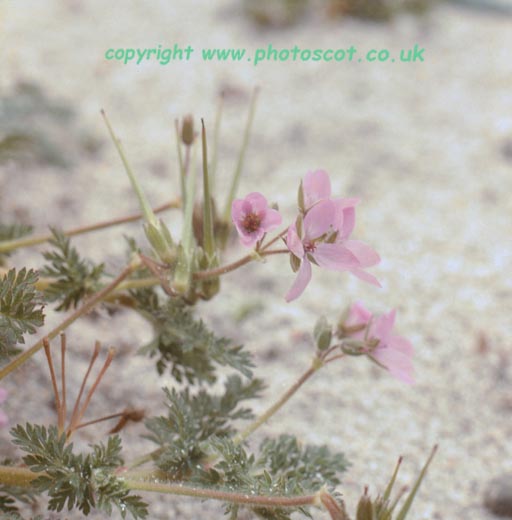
(187, 130)
(365, 509)
(322, 334)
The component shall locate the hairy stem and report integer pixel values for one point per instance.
(84, 309)
(225, 496)
(23, 477)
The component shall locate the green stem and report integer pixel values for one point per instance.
(316, 365)
(85, 308)
(11, 245)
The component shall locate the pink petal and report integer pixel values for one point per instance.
(257, 201)
(345, 217)
(366, 277)
(347, 202)
(3, 395)
(319, 219)
(237, 212)
(316, 186)
(271, 219)
(293, 242)
(401, 344)
(382, 326)
(335, 257)
(250, 239)
(301, 281)
(358, 315)
(398, 364)
(365, 254)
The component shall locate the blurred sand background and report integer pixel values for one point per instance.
(427, 146)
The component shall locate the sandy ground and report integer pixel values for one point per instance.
(424, 146)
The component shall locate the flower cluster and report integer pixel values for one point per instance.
(319, 235)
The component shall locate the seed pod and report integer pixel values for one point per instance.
(187, 130)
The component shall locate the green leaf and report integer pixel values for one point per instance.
(21, 309)
(283, 467)
(188, 348)
(75, 278)
(193, 419)
(74, 480)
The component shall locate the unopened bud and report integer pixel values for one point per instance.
(365, 509)
(187, 130)
(322, 334)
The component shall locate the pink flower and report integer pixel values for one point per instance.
(316, 186)
(4, 421)
(253, 218)
(391, 351)
(322, 236)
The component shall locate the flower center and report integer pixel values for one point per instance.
(251, 222)
(309, 246)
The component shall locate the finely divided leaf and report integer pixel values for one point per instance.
(75, 278)
(21, 309)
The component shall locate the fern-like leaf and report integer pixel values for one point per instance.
(75, 277)
(191, 350)
(74, 480)
(193, 419)
(283, 467)
(21, 308)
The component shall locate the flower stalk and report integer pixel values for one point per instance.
(265, 416)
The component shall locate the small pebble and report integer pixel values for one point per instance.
(498, 496)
